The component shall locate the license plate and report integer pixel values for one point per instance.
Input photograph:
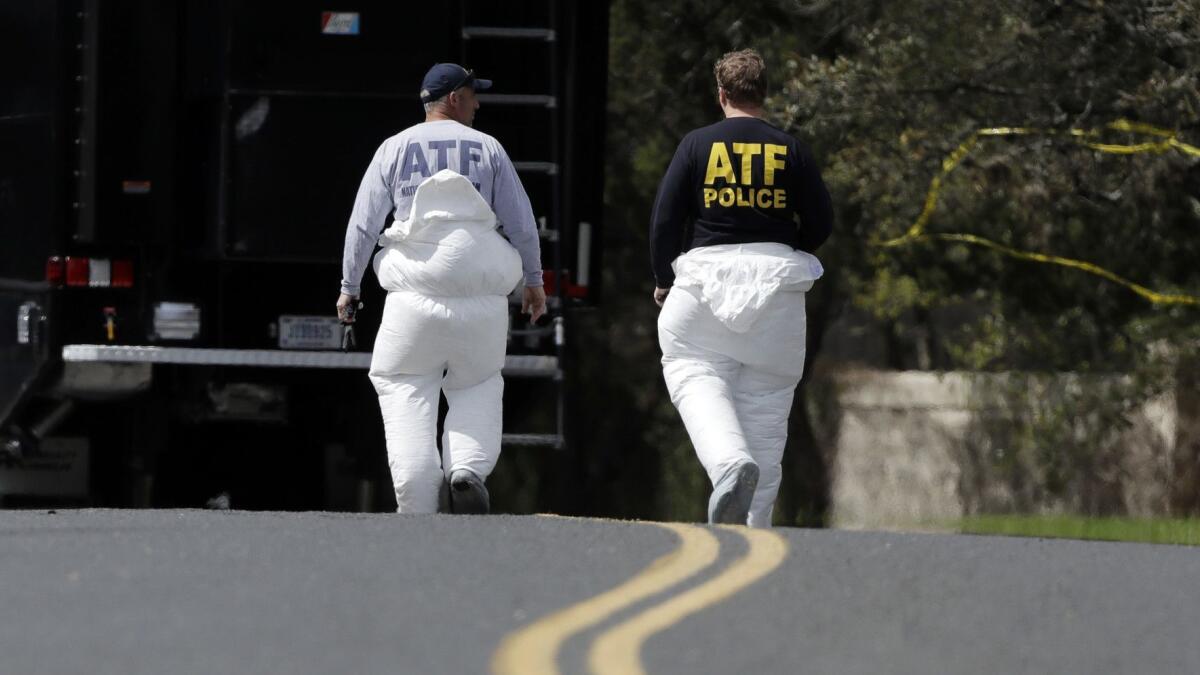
(310, 332)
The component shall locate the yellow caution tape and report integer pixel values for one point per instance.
(1169, 143)
(1152, 296)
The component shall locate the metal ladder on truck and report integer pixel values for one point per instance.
(478, 34)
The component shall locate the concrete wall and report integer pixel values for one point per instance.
(922, 449)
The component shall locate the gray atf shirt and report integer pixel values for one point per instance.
(418, 152)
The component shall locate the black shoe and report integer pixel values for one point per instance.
(730, 500)
(218, 503)
(468, 495)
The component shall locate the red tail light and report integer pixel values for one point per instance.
(122, 274)
(572, 290)
(77, 271)
(55, 271)
(94, 272)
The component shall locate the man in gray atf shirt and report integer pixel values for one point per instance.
(445, 140)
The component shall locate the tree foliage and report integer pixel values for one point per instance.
(915, 81)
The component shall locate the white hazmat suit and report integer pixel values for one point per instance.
(732, 333)
(448, 273)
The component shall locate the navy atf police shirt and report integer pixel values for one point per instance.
(739, 181)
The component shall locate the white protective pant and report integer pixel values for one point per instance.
(444, 329)
(426, 346)
(732, 333)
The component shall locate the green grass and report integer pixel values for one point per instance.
(1151, 531)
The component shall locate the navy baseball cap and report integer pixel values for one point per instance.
(444, 78)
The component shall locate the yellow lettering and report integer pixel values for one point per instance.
(710, 195)
(780, 199)
(763, 198)
(741, 197)
(773, 159)
(719, 165)
(747, 152)
(725, 197)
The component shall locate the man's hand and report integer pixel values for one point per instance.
(344, 312)
(533, 303)
(660, 295)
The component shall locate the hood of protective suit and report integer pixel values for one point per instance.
(448, 245)
(736, 281)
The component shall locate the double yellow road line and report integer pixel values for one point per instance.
(534, 650)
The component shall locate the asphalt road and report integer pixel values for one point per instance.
(239, 592)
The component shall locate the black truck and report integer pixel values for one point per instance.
(175, 180)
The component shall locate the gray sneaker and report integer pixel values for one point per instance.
(731, 496)
(468, 495)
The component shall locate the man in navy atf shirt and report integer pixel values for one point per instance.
(738, 214)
